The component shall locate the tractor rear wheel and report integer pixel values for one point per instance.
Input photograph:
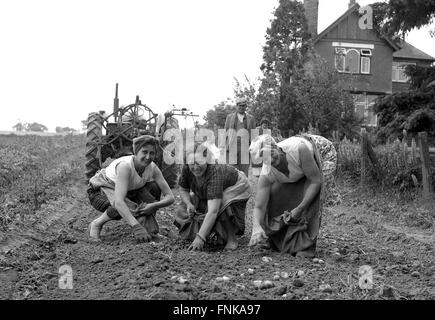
(94, 134)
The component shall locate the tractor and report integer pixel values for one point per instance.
(120, 128)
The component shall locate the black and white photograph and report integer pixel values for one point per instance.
(222, 156)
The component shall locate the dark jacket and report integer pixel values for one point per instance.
(230, 123)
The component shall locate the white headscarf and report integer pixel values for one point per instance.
(260, 144)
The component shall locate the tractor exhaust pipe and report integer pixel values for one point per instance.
(138, 100)
(116, 104)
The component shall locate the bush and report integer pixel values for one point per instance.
(400, 170)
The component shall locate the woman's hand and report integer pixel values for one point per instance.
(191, 209)
(140, 233)
(257, 238)
(197, 244)
(260, 207)
(144, 209)
(293, 216)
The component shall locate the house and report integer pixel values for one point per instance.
(372, 63)
(407, 55)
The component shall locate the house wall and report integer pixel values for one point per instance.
(348, 31)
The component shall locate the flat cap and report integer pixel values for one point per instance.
(241, 100)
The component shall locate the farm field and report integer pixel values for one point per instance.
(44, 212)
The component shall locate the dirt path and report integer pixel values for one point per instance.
(117, 268)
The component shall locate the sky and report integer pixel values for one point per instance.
(60, 60)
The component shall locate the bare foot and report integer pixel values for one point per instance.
(231, 245)
(94, 232)
(306, 254)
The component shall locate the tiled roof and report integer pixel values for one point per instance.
(408, 51)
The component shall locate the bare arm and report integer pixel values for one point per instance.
(121, 188)
(168, 197)
(261, 202)
(210, 217)
(207, 225)
(185, 196)
(313, 175)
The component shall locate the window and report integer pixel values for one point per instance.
(353, 60)
(365, 65)
(340, 54)
(366, 52)
(365, 60)
(364, 104)
(399, 71)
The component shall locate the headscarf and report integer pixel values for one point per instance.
(262, 143)
(141, 141)
(205, 149)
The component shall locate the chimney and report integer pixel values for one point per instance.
(312, 13)
(351, 3)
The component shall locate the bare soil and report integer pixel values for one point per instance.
(395, 239)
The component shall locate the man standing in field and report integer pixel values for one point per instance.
(238, 126)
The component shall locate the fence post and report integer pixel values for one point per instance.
(372, 155)
(413, 151)
(425, 165)
(405, 148)
(396, 149)
(363, 155)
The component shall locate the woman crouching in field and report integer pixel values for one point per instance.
(291, 190)
(130, 188)
(217, 203)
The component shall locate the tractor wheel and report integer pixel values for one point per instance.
(93, 137)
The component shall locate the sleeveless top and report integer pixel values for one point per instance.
(135, 180)
(290, 147)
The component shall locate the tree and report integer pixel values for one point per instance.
(322, 101)
(297, 88)
(19, 126)
(401, 16)
(412, 110)
(215, 118)
(286, 50)
(65, 129)
(36, 127)
(248, 89)
(84, 124)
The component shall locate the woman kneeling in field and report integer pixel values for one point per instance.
(291, 190)
(130, 188)
(217, 203)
